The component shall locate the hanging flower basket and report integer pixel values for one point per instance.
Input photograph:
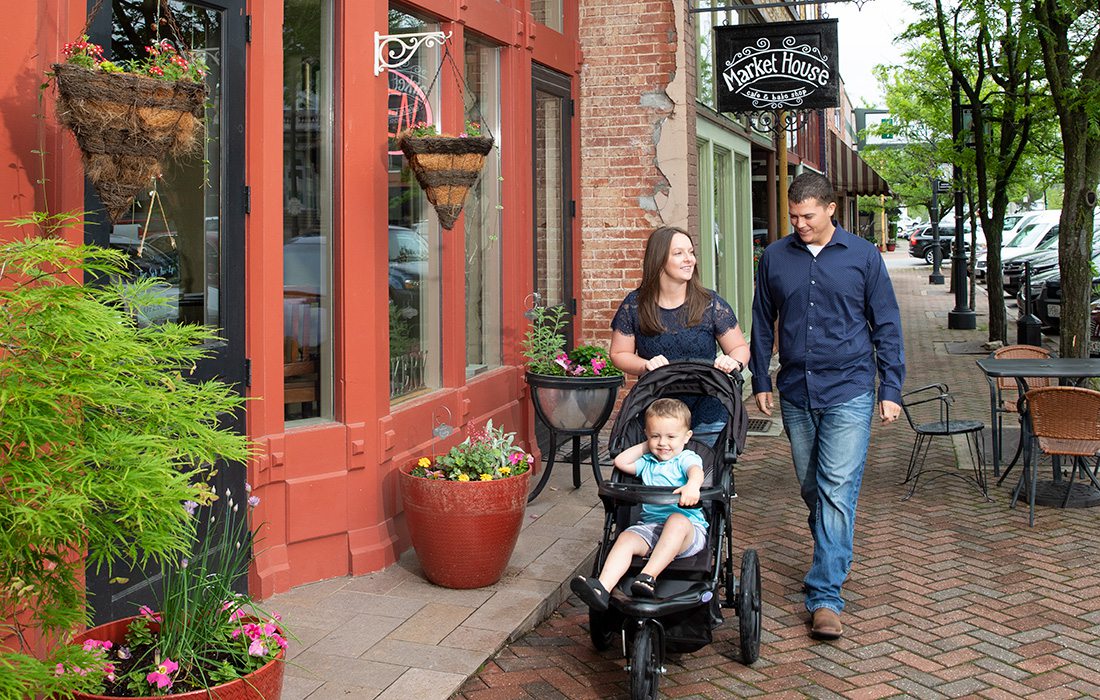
(125, 124)
(446, 168)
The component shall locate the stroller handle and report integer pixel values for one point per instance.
(655, 495)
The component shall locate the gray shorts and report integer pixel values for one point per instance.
(651, 532)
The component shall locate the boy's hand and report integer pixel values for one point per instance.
(689, 495)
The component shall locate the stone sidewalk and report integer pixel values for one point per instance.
(949, 596)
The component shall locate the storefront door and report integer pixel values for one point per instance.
(553, 178)
(190, 231)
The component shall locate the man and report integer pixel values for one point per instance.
(838, 318)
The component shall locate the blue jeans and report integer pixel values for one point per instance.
(829, 448)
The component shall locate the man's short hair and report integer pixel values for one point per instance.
(811, 185)
(669, 408)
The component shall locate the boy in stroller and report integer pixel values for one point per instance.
(666, 532)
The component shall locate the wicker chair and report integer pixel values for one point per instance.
(1001, 404)
(928, 425)
(1061, 421)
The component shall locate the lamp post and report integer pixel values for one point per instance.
(961, 317)
(938, 186)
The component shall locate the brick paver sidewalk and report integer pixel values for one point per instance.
(949, 596)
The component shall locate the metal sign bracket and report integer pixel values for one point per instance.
(395, 50)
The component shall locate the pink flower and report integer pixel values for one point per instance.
(161, 676)
(253, 501)
(59, 670)
(562, 360)
(257, 648)
(515, 457)
(147, 612)
(598, 363)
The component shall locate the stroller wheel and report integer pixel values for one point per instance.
(602, 627)
(748, 607)
(645, 663)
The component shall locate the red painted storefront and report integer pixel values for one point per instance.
(328, 486)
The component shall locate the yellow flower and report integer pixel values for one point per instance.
(463, 477)
(424, 462)
(505, 471)
(486, 477)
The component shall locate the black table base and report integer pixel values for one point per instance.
(1052, 493)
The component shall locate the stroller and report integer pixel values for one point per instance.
(691, 591)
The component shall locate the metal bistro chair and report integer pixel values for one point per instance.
(1062, 421)
(944, 425)
(1002, 404)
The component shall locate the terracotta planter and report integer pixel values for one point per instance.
(464, 532)
(891, 246)
(265, 683)
(580, 404)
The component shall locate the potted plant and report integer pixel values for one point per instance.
(204, 640)
(127, 118)
(446, 166)
(464, 508)
(574, 390)
(103, 437)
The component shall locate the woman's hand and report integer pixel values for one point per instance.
(727, 364)
(654, 363)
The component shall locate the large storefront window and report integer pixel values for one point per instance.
(414, 287)
(483, 261)
(307, 209)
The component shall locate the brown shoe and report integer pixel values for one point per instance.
(826, 624)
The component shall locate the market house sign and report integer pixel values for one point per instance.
(780, 65)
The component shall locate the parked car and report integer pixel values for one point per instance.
(1047, 297)
(920, 243)
(1094, 330)
(1042, 260)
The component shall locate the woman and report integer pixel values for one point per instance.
(672, 316)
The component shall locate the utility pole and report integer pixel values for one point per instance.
(961, 317)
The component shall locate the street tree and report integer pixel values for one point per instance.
(1069, 35)
(983, 45)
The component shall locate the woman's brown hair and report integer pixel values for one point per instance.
(656, 255)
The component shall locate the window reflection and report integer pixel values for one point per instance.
(482, 222)
(413, 231)
(548, 12)
(307, 216)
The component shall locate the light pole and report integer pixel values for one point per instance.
(961, 317)
(938, 185)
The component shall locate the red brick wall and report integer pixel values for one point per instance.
(631, 95)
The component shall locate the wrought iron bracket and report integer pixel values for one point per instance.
(395, 50)
(767, 120)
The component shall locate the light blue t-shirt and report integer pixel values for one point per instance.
(674, 473)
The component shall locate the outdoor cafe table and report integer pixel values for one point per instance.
(1068, 370)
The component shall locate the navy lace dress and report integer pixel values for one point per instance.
(699, 342)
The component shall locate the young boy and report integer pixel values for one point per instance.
(665, 532)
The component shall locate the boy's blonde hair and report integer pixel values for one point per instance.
(669, 408)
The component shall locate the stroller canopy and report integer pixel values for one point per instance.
(676, 380)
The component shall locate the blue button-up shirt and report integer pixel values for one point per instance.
(837, 317)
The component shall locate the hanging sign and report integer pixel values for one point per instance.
(779, 65)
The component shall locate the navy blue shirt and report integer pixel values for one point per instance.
(681, 342)
(838, 317)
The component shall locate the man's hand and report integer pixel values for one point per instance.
(689, 495)
(659, 361)
(764, 402)
(889, 411)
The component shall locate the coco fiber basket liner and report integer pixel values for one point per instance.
(446, 167)
(125, 124)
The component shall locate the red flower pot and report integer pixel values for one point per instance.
(464, 532)
(265, 683)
